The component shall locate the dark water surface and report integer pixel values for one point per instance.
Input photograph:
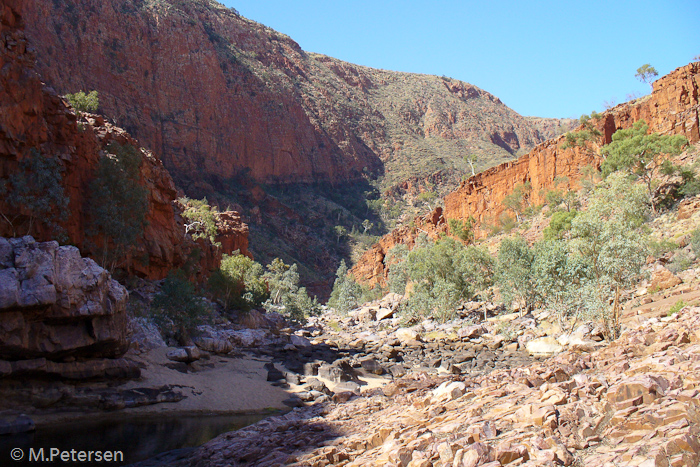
(138, 438)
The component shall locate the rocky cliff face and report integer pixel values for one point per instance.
(672, 108)
(34, 118)
(218, 96)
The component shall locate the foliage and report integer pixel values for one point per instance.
(695, 241)
(177, 310)
(661, 247)
(286, 295)
(640, 154)
(559, 224)
(117, 203)
(201, 218)
(442, 274)
(646, 74)
(609, 238)
(35, 190)
(681, 261)
(587, 136)
(518, 200)
(346, 293)
(427, 197)
(514, 272)
(83, 102)
(676, 307)
(238, 283)
(690, 184)
(464, 230)
(340, 232)
(584, 274)
(471, 160)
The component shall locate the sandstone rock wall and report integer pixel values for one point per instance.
(218, 96)
(56, 306)
(32, 116)
(672, 108)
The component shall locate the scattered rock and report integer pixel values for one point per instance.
(544, 347)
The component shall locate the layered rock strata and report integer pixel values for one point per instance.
(671, 109)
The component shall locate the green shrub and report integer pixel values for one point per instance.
(464, 230)
(285, 294)
(676, 307)
(83, 102)
(238, 283)
(347, 293)
(35, 191)
(514, 272)
(177, 310)
(201, 218)
(559, 224)
(117, 203)
(661, 247)
(695, 241)
(681, 261)
(442, 274)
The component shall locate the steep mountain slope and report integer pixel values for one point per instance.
(217, 96)
(33, 119)
(672, 108)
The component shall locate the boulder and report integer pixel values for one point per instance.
(407, 335)
(371, 365)
(214, 345)
(185, 354)
(299, 341)
(544, 347)
(12, 424)
(56, 304)
(664, 279)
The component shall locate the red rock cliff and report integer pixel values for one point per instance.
(672, 108)
(32, 116)
(217, 96)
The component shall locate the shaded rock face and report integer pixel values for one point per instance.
(672, 108)
(55, 304)
(218, 96)
(33, 117)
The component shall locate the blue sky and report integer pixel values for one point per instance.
(542, 58)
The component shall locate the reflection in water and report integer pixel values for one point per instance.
(138, 438)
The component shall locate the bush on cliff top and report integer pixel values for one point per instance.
(83, 102)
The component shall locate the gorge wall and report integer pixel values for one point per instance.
(218, 96)
(34, 118)
(672, 108)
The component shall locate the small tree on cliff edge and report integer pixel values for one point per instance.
(632, 149)
(646, 73)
